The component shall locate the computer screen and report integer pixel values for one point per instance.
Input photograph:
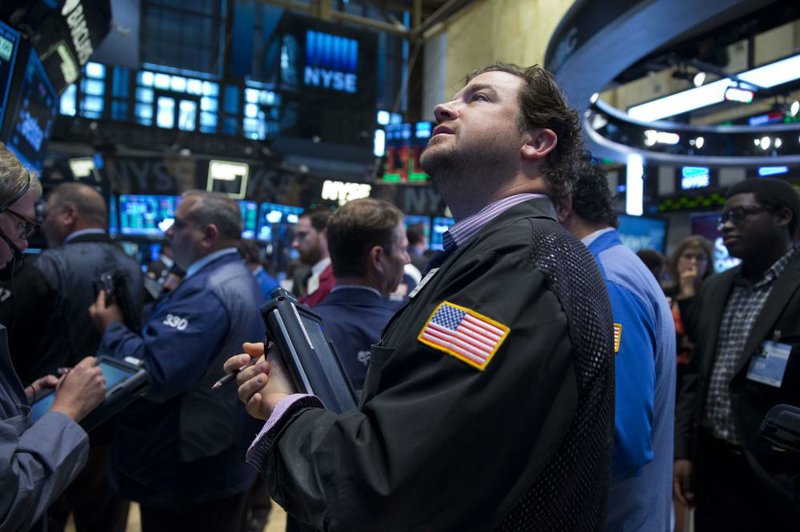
(113, 216)
(148, 216)
(9, 42)
(273, 214)
(707, 226)
(440, 225)
(34, 115)
(639, 232)
(404, 144)
(695, 177)
(249, 210)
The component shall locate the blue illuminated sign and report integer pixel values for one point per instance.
(772, 170)
(331, 62)
(695, 177)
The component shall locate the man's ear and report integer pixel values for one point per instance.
(564, 209)
(70, 214)
(541, 141)
(210, 235)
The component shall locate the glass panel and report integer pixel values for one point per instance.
(162, 81)
(67, 105)
(251, 95)
(187, 117)
(231, 104)
(208, 119)
(95, 70)
(144, 95)
(195, 86)
(251, 110)
(144, 110)
(92, 104)
(120, 87)
(209, 104)
(166, 112)
(178, 84)
(210, 89)
(146, 79)
(93, 87)
(230, 126)
(119, 110)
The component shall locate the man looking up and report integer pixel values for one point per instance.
(488, 404)
(367, 242)
(639, 497)
(178, 451)
(310, 240)
(744, 325)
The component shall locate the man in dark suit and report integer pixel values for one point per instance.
(746, 328)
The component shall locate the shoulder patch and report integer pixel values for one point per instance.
(617, 336)
(463, 333)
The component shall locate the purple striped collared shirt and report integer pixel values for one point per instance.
(461, 232)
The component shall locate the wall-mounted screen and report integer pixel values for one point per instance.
(638, 232)
(34, 115)
(272, 214)
(404, 144)
(113, 217)
(148, 216)
(9, 42)
(707, 226)
(440, 225)
(695, 177)
(249, 210)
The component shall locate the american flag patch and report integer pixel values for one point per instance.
(617, 336)
(470, 337)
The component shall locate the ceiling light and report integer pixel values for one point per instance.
(699, 141)
(778, 143)
(765, 143)
(699, 79)
(794, 108)
(738, 94)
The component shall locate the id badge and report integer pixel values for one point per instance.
(769, 365)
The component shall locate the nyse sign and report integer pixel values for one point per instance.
(331, 62)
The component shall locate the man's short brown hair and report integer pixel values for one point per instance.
(357, 227)
(543, 105)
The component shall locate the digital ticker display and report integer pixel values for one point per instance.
(638, 232)
(440, 226)
(404, 144)
(9, 42)
(34, 115)
(148, 216)
(249, 210)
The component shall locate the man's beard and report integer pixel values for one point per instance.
(463, 171)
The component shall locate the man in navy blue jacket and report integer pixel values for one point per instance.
(179, 451)
(367, 244)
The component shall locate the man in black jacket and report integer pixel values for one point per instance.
(488, 403)
(745, 324)
(50, 328)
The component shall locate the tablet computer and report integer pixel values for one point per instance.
(124, 382)
(307, 351)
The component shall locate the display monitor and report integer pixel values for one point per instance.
(249, 210)
(113, 216)
(695, 177)
(707, 226)
(275, 214)
(148, 216)
(9, 42)
(639, 232)
(33, 116)
(440, 225)
(404, 144)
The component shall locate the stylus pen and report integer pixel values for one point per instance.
(229, 377)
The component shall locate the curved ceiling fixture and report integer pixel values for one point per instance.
(596, 44)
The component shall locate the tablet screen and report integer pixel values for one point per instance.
(112, 374)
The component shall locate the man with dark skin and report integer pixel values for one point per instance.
(743, 324)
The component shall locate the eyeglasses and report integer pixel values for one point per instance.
(738, 214)
(29, 227)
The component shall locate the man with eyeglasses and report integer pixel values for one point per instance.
(50, 328)
(37, 459)
(745, 324)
